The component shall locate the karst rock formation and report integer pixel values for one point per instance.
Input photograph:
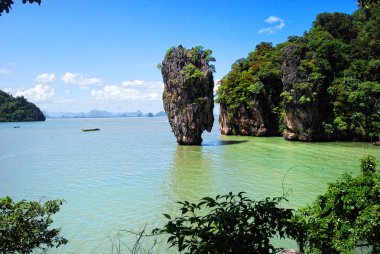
(188, 92)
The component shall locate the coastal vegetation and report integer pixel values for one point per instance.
(324, 85)
(25, 226)
(18, 109)
(346, 217)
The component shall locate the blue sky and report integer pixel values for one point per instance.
(78, 55)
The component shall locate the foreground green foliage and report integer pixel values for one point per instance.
(24, 226)
(6, 5)
(18, 109)
(345, 217)
(228, 224)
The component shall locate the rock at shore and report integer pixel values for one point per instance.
(248, 122)
(188, 92)
(250, 93)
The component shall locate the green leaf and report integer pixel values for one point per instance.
(167, 216)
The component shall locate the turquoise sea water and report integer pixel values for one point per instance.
(129, 173)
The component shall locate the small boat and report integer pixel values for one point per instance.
(94, 129)
(16, 127)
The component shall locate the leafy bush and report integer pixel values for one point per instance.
(227, 224)
(192, 73)
(345, 217)
(24, 226)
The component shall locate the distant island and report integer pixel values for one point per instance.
(103, 114)
(18, 109)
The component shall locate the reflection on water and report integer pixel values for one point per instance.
(224, 142)
(190, 173)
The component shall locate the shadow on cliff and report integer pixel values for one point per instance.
(224, 142)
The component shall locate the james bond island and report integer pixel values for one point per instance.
(188, 92)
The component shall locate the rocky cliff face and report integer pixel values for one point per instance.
(250, 93)
(323, 85)
(188, 93)
(305, 102)
(256, 121)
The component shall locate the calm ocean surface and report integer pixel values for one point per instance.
(129, 173)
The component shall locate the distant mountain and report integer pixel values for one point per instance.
(161, 113)
(18, 109)
(138, 113)
(101, 114)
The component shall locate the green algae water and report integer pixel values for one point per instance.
(126, 175)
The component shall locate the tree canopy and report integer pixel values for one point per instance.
(18, 109)
(339, 58)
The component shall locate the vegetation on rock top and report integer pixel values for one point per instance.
(18, 109)
(335, 76)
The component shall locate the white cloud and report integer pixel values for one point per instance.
(144, 86)
(130, 91)
(78, 79)
(37, 93)
(133, 83)
(64, 101)
(272, 19)
(4, 71)
(8, 90)
(119, 93)
(45, 77)
(280, 23)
